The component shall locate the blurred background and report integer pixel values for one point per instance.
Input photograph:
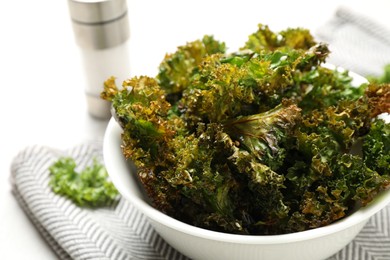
(42, 78)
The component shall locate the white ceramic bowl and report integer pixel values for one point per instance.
(198, 243)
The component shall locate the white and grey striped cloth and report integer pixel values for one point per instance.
(356, 42)
(116, 232)
(121, 232)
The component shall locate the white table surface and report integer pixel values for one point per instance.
(42, 83)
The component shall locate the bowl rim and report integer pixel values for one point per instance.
(112, 149)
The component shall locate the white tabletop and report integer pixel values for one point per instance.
(42, 82)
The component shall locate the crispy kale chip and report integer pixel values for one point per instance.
(266, 40)
(261, 141)
(376, 147)
(325, 181)
(378, 98)
(226, 87)
(263, 135)
(150, 126)
(87, 188)
(345, 123)
(327, 87)
(176, 69)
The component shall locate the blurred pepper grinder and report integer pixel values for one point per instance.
(101, 29)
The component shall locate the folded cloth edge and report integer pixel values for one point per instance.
(129, 236)
(58, 250)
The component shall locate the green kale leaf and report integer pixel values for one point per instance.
(87, 188)
(376, 147)
(176, 70)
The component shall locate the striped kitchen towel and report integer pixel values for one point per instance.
(116, 232)
(356, 41)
